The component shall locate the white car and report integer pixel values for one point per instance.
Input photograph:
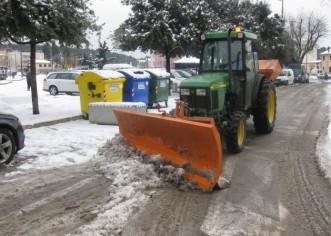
(176, 78)
(286, 77)
(61, 82)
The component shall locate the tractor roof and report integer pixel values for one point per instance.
(224, 34)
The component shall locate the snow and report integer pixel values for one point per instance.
(158, 72)
(109, 74)
(188, 60)
(133, 175)
(135, 74)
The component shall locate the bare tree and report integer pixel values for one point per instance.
(305, 30)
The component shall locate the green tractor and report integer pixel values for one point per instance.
(230, 87)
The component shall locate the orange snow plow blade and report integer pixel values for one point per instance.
(191, 143)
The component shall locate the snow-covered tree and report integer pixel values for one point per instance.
(169, 27)
(101, 57)
(33, 22)
(87, 60)
(202, 18)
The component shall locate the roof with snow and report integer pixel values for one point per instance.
(42, 61)
(188, 60)
(326, 52)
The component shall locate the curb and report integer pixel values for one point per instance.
(52, 122)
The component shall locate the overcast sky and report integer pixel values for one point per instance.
(113, 13)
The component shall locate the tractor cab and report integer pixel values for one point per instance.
(231, 53)
(228, 68)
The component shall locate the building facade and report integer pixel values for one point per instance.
(326, 61)
(16, 61)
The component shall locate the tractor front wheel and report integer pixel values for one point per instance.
(235, 134)
(264, 115)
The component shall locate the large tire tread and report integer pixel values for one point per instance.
(231, 132)
(260, 114)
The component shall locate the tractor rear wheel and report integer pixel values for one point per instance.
(235, 134)
(264, 115)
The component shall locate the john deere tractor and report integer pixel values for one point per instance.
(230, 87)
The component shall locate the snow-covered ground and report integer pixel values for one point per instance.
(79, 141)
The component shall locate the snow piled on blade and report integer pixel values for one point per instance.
(134, 178)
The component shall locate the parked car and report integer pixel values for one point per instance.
(301, 79)
(61, 82)
(11, 137)
(321, 75)
(286, 77)
(176, 77)
(183, 73)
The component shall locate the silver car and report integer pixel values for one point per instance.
(61, 82)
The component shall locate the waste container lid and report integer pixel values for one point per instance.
(109, 74)
(119, 104)
(116, 66)
(136, 73)
(158, 72)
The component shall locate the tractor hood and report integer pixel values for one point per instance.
(208, 80)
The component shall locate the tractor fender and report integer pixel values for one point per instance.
(255, 89)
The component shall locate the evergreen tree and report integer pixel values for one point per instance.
(101, 57)
(87, 60)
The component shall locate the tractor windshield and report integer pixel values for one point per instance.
(215, 56)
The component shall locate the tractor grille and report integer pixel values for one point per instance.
(208, 102)
(214, 99)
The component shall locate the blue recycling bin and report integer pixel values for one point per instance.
(136, 85)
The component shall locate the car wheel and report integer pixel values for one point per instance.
(53, 91)
(7, 146)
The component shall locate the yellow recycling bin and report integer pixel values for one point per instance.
(99, 86)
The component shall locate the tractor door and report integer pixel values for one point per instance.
(251, 72)
(238, 74)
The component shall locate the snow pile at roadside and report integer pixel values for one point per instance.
(324, 150)
(134, 179)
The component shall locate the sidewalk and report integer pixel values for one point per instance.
(15, 99)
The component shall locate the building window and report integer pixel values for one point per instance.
(40, 65)
(323, 58)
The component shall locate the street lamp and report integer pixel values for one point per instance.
(282, 8)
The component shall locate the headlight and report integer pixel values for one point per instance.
(185, 92)
(201, 92)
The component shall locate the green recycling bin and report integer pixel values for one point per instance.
(99, 86)
(158, 87)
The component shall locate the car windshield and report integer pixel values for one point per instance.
(183, 73)
(215, 55)
(283, 73)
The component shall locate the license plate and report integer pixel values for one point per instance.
(163, 84)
